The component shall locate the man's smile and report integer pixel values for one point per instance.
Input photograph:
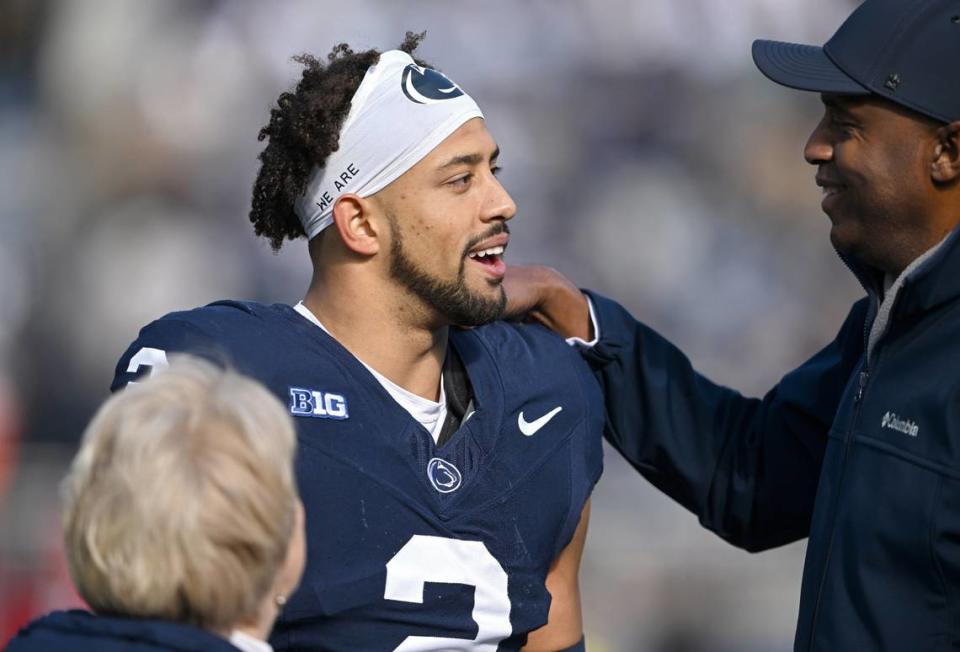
(831, 190)
(489, 254)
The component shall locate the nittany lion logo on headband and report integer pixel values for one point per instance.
(427, 86)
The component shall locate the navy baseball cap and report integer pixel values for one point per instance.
(907, 51)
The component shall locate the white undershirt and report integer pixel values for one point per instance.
(248, 643)
(430, 414)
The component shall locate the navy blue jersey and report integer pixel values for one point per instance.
(411, 546)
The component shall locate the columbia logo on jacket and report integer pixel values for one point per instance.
(907, 427)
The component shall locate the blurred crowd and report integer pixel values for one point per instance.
(649, 159)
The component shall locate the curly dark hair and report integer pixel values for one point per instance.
(304, 130)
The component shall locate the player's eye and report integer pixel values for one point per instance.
(461, 182)
(496, 170)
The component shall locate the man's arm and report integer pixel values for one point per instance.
(747, 467)
(564, 628)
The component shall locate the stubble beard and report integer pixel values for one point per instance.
(451, 298)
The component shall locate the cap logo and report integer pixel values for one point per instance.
(427, 86)
(893, 81)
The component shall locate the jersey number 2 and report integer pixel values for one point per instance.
(147, 357)
(452, 561)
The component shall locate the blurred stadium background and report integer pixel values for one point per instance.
(650, 161)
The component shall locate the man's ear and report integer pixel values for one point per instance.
(352, 218)
(945, 167)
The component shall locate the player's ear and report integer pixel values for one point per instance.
(352, 218)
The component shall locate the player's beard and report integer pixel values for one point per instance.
(451, 298)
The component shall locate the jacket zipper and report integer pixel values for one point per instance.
(862, 380)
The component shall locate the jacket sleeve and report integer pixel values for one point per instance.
(748, 468)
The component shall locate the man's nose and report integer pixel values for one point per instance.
(500, 205)
(819, 148)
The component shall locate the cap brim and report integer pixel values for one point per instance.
(804, 67)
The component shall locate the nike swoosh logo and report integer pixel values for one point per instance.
(531, 427)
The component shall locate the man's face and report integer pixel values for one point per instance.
(447, 218)
(873, 163)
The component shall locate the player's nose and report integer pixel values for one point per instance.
(499, 204)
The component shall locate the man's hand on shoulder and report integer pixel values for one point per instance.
(545, 296)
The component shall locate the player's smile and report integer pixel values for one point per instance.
(488, 254)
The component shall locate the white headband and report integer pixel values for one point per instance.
(399, 113)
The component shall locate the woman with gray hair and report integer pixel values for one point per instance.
(182, 522)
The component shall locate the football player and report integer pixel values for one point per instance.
(445, 472)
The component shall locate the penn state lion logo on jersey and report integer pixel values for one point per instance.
(444, 476)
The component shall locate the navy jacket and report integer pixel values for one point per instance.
(862, 456)
(81, 631)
